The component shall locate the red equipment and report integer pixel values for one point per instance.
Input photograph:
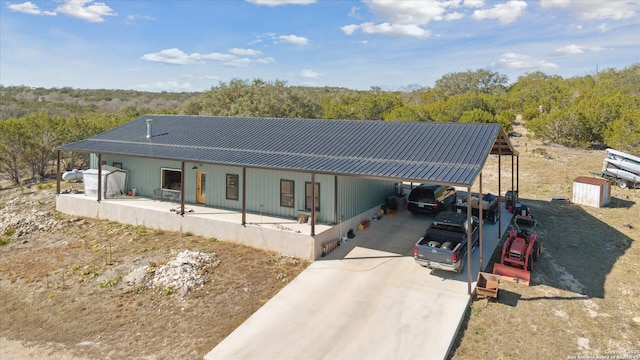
(519, 251)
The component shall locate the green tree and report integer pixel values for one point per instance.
(11, 149)
(481, 80)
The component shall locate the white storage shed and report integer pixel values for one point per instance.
(590, 191)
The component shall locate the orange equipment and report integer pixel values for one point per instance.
(519, 251)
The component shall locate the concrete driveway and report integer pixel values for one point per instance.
(367, 299)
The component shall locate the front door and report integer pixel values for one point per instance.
(201, 187)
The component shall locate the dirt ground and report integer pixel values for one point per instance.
(66, 288)
(584, 299)
(64, 293)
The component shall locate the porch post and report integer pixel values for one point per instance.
(512, 177)
(182, 190)
(481, 220)
(99, 177)
(469, 240)
(244, 195)
(335, 200)
(58, 175)
(313, 204)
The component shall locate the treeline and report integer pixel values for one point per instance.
(589, 111)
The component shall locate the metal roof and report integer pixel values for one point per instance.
(446, 153)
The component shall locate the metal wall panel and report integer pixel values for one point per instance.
(145, 174)
(356, 195)
(263, 193)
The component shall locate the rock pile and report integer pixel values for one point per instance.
(27, 214)
(185, 272)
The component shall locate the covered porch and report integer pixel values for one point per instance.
(285, 235)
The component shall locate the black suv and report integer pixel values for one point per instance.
(431, 198)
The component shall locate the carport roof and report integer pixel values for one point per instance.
(443, 153)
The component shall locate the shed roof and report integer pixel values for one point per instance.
(590, 180)
(446, 153)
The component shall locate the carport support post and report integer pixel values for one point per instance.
(469, 239)
(481, 221)
(512, 181)
(99, 177)
(499, 191)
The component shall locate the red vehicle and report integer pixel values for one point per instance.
(521, 248)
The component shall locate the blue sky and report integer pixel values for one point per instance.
(171, 45)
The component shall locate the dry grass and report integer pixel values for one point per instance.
(585, 293)
(66, 288)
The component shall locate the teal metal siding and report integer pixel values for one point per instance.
(263, 193)
(354, 195)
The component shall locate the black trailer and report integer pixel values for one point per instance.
(489, 207)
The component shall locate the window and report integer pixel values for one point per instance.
(232, 186)
(307, 196)
(171, 179)
(117, 165)
(286, 193)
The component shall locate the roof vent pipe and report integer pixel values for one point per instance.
(149, 132)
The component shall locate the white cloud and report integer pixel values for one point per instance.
(244, 52)
(86, 10)
(454, 16)
(267, 60)
(281, 2)
(200, 77)
(170, 85)
(355, 12)
(574, 49)
(505, 13)
(349, 29)
(178, 57)
(394, 29)
(409, 12)
(29, 8)
(569, 50)
(474, 3)
(522, 62)
(604, 28)
(590, 10)
(130, 19)
(409, 18)
(309, 74)
(293, 39)
(213, 56)
(237, 62)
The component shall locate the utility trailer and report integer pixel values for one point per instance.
(489, 206)
(621, 168)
